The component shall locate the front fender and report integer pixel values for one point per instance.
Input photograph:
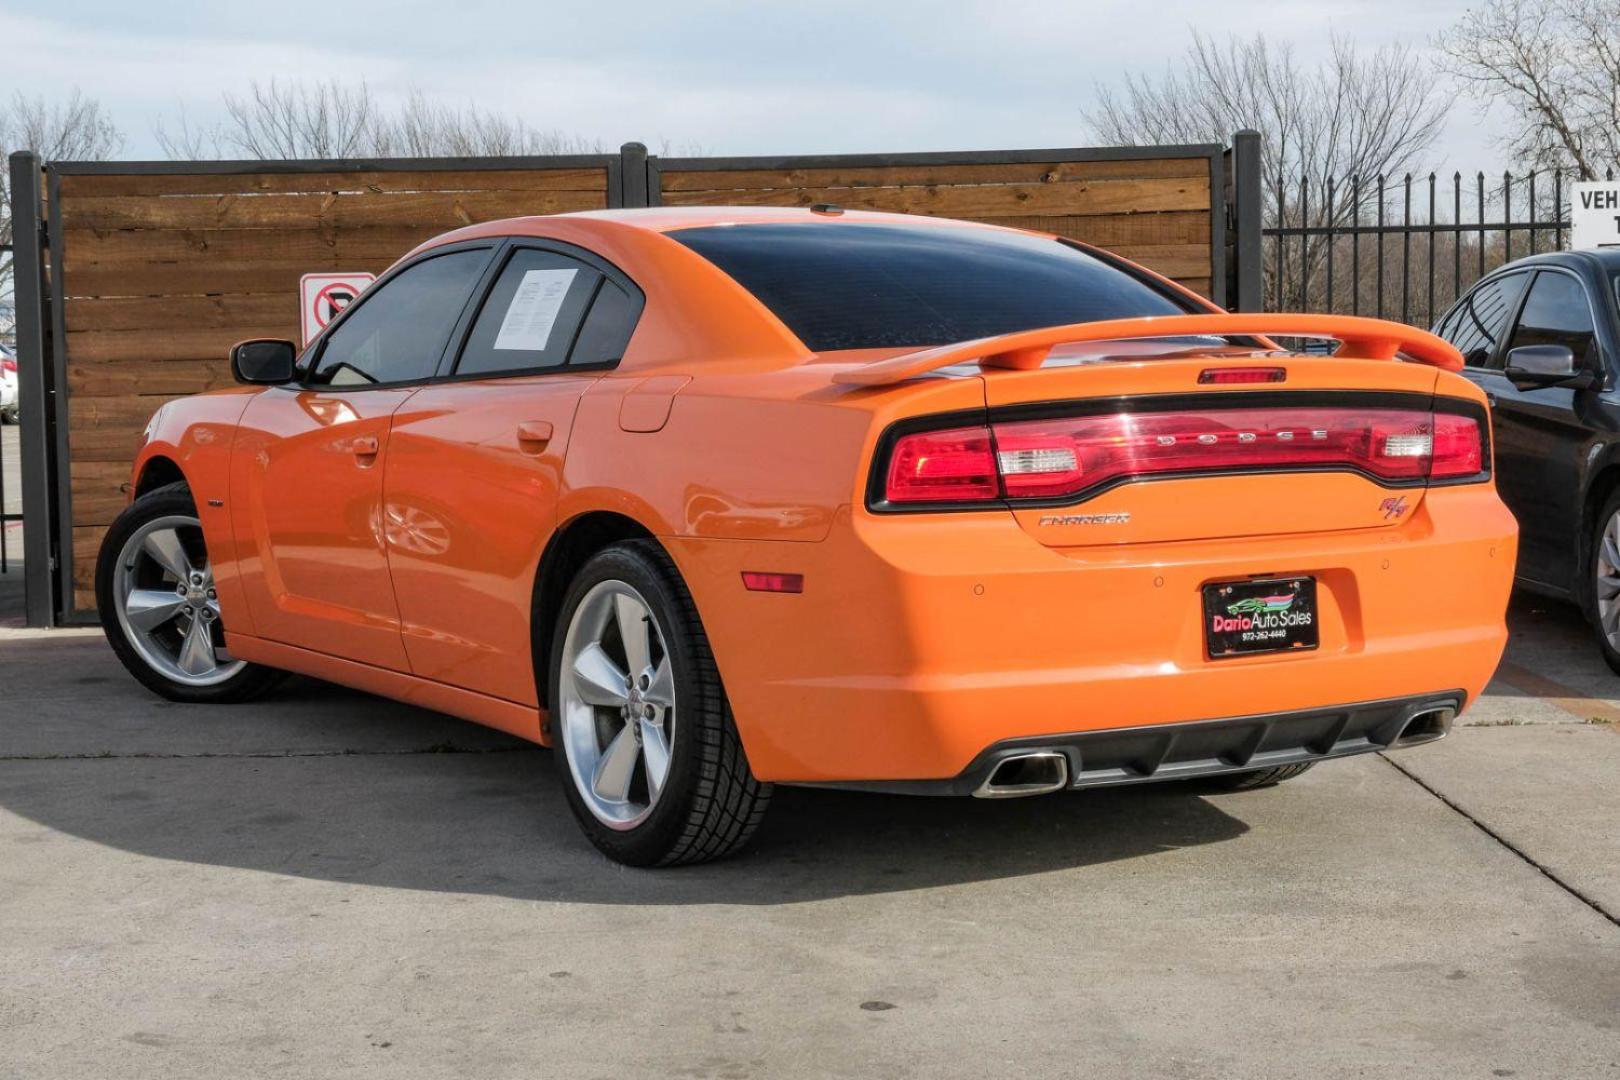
(194, 435)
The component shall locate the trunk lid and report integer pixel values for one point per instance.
(1281, 427)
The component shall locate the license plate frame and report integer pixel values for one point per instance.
(1260, 616)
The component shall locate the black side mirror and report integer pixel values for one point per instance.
(1545, 365)
(263, 362)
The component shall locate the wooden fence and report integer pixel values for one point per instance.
(157, 268)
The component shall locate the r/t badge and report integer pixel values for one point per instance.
(1393, 507)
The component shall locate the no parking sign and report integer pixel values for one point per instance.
(322, 296)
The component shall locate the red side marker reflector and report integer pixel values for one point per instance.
(758, 581)
(1225, 376)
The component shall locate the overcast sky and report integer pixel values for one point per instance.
(734, 78)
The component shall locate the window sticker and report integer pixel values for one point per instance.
(533, 310)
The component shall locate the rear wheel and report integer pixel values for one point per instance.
(1259, 778)
(159, 608)
(644, 740)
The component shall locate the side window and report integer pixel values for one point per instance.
(398, 333)
(1557, 313)
(1477, 323)
(607, 328)
(531, 315)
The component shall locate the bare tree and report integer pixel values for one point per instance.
(422, 127)
(301, 120)
(1357, 114)
(1553, 64)
(77, 129)
(328, 119)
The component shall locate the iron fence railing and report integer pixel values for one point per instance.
(1404, 248)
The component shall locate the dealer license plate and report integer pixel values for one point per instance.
(1246, 617)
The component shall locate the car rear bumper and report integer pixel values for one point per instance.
(1184, 751)
(920, 644)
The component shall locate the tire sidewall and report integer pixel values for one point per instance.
(1588, 592)
(646, 843)
(174, 499)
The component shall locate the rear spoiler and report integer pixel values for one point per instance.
(1363, 339)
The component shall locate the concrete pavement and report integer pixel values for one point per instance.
(325, 884)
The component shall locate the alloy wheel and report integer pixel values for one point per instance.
(1606, 565)
(167, 605)
(617, 704)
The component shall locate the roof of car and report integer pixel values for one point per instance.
(1602, 258)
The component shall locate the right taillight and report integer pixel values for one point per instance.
(1067, 458)
(954, 465)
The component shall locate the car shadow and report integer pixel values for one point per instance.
(445, 806)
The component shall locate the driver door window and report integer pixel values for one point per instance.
(1557, 313)
(398, 335)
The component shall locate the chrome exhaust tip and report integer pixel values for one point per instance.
(1035, 773)
(1426, 725)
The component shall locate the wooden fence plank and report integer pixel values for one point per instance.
(133, 377)
(202, 278)
(157, 312)
(976, 201)
(715, 180)
(1111, 230)
(438, 210)
(312, 249)
(96, 347)
(594, 180)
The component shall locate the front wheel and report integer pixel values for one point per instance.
(159, 609)
(645, 745)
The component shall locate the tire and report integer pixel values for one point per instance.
(1259, 778)
(171, 640)
(706, 803)
(1600, 597)
(8, 415)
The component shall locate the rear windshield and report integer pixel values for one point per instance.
(853, 286)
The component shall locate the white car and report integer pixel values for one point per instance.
(8, 386)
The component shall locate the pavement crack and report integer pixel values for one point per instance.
(146, 755)
(1540, 867)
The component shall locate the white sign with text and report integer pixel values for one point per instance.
(1594, 211)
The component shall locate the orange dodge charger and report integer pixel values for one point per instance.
(711, 500)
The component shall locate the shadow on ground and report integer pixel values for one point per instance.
(354, 789)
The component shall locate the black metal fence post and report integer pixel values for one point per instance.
(633, 175)
(41, 534)
(1247, 291)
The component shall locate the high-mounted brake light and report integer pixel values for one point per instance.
(1228, 376)
(1068, 457)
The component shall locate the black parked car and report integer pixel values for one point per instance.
(1541, 337)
